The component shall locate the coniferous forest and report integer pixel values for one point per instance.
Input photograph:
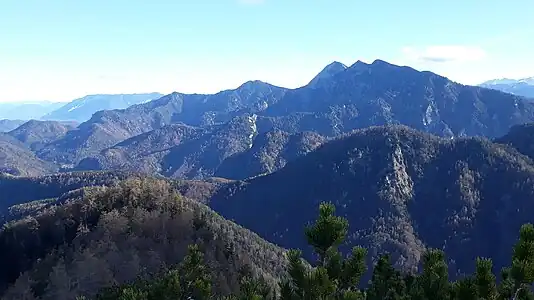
(140, 239)
(334, 276)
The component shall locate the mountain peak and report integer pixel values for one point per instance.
(382, 63)
(508, 81)
(335, 66)
(521, 87)
(327, 72)
(529, 80)
(251, 83)
(498, 81)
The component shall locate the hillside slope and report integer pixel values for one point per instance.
(235, 150)
(107, 128)
(18, 190)
(401, 190)
(16, 159)
(338, 100)
(35, 134)
(380, 93)
(104, 238)
(8, 125)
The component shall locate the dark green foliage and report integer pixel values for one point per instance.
(433, 282)
(386, 283)
(485, 280)
(333, 277)
(191, 280)
(328, 232)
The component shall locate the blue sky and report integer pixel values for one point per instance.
(61, 50)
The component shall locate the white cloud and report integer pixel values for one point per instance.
(445, 53)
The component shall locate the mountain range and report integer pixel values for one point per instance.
(27, 110)
(522, 87)
(263, 126)
(338, 100)
(81, 110)
(402, 191)
(78, 110)
(412, 160)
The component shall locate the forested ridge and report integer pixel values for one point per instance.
(140, 239)
(104, 236)
(338, 277)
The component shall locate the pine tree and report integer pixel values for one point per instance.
(521, 271)
(196, 281)
(386, 283)
(166, 288)
(485, 280)
(333, 277)
(329, 231)
(251, 288)
(465, 289)
(433, 282)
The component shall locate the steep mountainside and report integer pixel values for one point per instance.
(143, 152)
(337, 100)
(521, 138)
(234, 150)
(380, 93)
(107, 128)
(18, 160)
(81, 110)
(35, 134)
(8, 125)
(326, 74)
(269, 152)
(522, 87)
(99, 238)
(401, 190)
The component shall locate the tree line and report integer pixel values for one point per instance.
(335, 277)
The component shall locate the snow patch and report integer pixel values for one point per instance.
(427, 119)
(252, 120)
(75, 107)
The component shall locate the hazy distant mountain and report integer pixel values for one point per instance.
(17, 159)
(27, 110)
(82, 109)
(35, 134)
(522, 87)
(8, 125)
